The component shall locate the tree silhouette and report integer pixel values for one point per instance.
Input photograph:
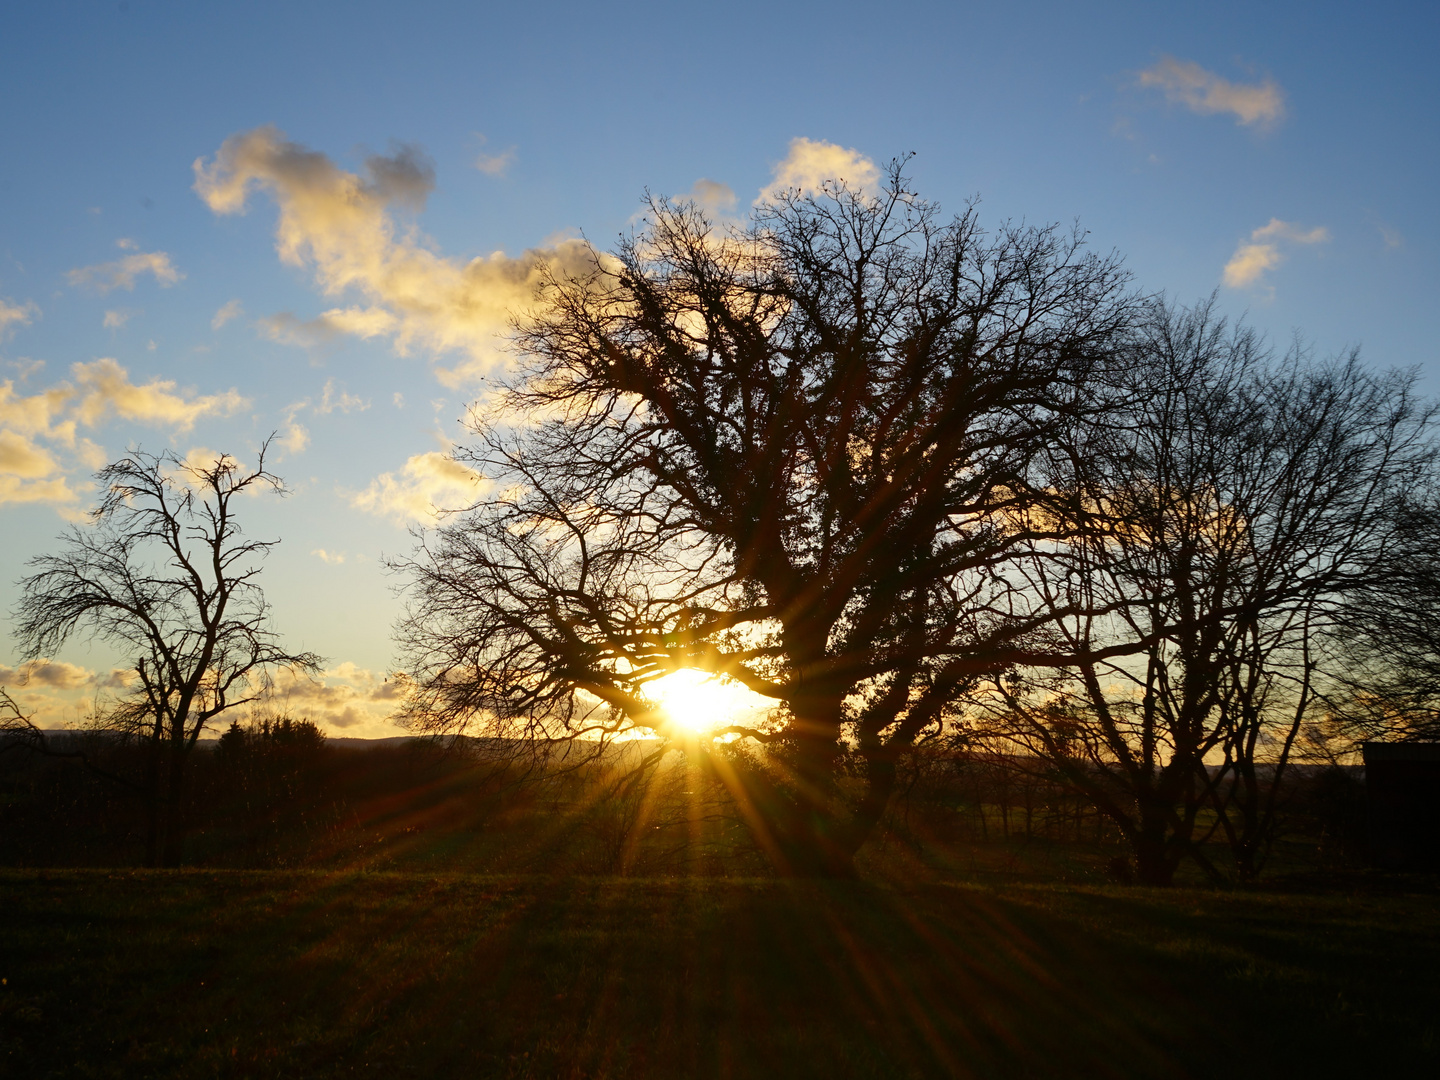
(1233, 522)
(796, 454)
(164, 574)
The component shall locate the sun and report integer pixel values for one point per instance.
(699, 702)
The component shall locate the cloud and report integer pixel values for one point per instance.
(1262, 252)
(341, 226)
(810, 163)
(231, 309)
(297, 435)
(27, 474)
(122, 273)
(22, 458)
(52, 674)
(331, 399)
(114, 320)
(427, 483)
(96, 392)
(332, 558)
(1204, 92)
(13, 315)
(495, 164)
(104, 389)
(295, 439)
(713, 197)
(347, 698)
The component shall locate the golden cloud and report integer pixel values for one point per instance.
(426, 485)
(347, 697)
(52, 674)
(342, 226)
(121, 273)
(98, 391)
(105, 389)
(231, 309)
(810, 163)
(1207, 93)
(13, 314)
(1262, 252)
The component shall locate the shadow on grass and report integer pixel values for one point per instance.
(261, 974)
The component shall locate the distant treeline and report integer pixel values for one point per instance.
(279, 794)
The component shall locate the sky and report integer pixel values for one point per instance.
(219, 221)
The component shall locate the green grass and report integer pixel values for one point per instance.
(311, 974)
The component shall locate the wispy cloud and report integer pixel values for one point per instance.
(116, 319)
(342, 226)
(1187, 83)
(426, 485)
(297, 436)
(495, 164)
(229, 310)
(123, 272)
(331, 558)
(1262, 252)
(13, 315)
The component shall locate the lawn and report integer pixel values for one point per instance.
(321, 974)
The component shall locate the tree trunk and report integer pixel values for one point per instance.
(817, 840)
(1153, 864)
(174, 832)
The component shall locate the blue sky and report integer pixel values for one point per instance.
(1284, 154)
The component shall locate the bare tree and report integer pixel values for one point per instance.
(1227, 528)
(164, 574)
(793, 455)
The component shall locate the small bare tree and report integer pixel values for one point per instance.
(164, 574)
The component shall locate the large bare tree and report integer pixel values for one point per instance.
(164, 574)
(794, 454)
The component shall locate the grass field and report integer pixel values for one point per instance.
(270, 974)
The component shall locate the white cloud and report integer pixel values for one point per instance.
(121, 273)
(341, 225)
(809, 164)
(426, 484)
(116, 319)
(332, 558)
(13, 315)
(1204, 92)
(1262, 252)
(231, 309)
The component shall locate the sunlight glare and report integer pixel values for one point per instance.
(699, 702)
